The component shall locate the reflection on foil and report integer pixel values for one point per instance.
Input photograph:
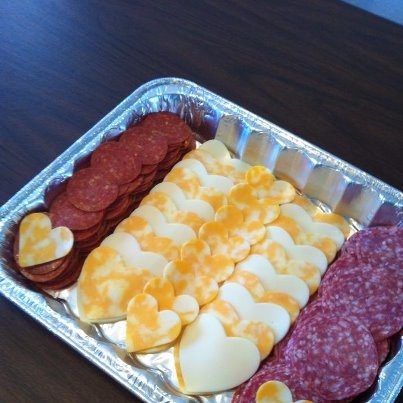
(334, 184)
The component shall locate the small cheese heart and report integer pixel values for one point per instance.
(185, 281)
(273, 392)
(106, 285)
(216, 235)
(210, 361)
(163, 291)
(147, 327)
(245, 197)
(39, 243)
(267, 187)
(197, 253)
(233, 219)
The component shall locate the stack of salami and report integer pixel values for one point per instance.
(339, 341)
(98, 196)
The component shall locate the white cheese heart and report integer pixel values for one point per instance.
(298, 214)
(273, 315)
(210, 361)
(271, 281)
(305, 253)
(179, 233)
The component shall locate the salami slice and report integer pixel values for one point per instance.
(63, 213)
(373, 301)
(116, 161)
(383, 348)
(337, 357)
(377, 245)
(91, 190)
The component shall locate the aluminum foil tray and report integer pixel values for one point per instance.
(334, 184)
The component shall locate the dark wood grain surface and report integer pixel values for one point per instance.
(326, 71)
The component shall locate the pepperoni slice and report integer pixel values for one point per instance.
(150, 147)
(336, 356)
(170, 126)
(63, 213)
(91, 190)
(116, 161)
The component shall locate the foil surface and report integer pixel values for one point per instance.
(332, 183)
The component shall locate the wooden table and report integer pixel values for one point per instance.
(326, 71)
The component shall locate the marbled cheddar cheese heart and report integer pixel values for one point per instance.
(273, 392)
(186, 179)
(106, 285)
(185, 281)
(233, 219)
(39, 243)
(140, 229)
(147, 327)
(163, 291)
(197, 253)
(267, 187)
(216, 235)
(211, 362)
(245, 197)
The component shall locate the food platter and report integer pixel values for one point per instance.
(362, 199)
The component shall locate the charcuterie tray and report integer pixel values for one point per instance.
(362, 199)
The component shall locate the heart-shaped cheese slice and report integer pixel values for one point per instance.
(169, 198)
(197, 253)
(147, 327)
(39, 243)
(185, 281)
(309, 226)
(129, 250)
(106, 285)
(245, 197)
(257, 332)
(273, 392)
(140, 229)
(211, 362)
(305, 253)
(233, 219)
(163, 291)
(267, 187)
(216, 235)
(271, 281)
(179, 233)
(274, 316)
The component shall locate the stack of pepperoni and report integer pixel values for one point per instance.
(100, 195)
(339, 341)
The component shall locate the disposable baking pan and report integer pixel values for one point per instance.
(334, 184)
